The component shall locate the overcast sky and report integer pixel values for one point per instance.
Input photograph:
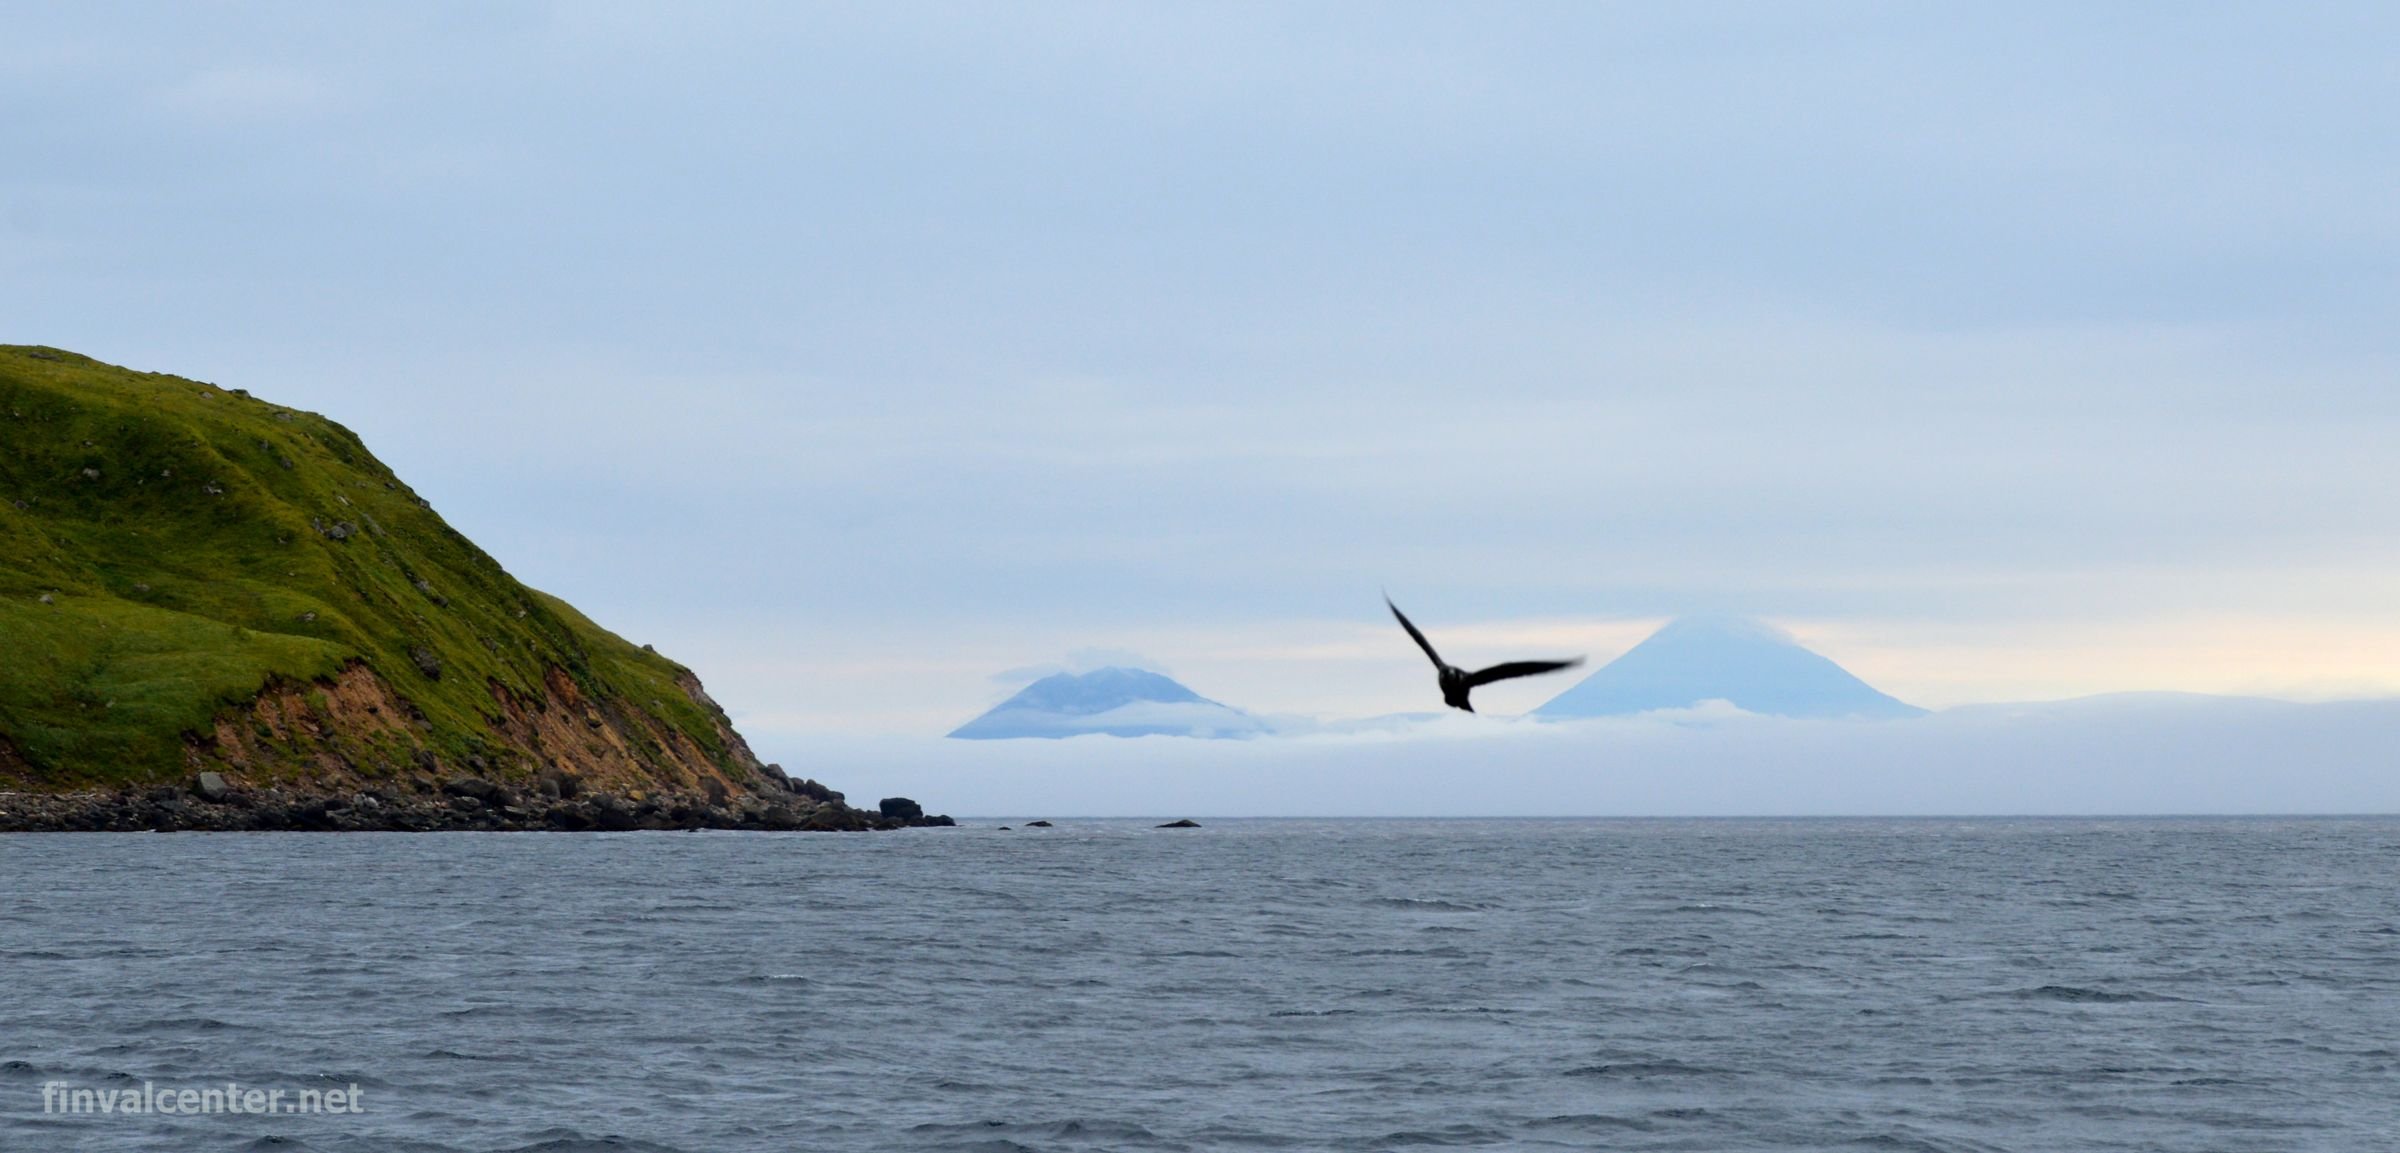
(856, 354)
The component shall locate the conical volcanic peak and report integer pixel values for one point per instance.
(1118, 702)
(1755, 667)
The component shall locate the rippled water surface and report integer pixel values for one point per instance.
(2033, 985)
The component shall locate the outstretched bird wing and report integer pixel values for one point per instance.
(1419, 637)
(1517, 669)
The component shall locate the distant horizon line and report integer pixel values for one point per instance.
(1202, 818)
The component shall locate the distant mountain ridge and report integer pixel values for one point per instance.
(1114, 701)
(1752, 666)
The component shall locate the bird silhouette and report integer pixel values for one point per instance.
(1457, 682)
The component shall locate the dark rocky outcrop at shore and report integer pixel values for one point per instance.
(555, 804)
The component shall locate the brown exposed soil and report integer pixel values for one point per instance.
(349, 753)
(620, 750)
(311, 729)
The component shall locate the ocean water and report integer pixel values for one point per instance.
(1706, 985)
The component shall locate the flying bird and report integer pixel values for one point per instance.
(1458, 682)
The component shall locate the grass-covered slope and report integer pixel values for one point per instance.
(174, 554)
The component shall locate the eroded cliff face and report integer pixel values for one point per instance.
(354, 727)
(560, 760)
(621, 749)
(324, 728)
(348, 752)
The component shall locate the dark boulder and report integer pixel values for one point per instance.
(901, 809)
(815, 792)
(479, 789)
(1186, 823)
(830, 818)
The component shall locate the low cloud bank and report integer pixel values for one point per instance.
(1187, 719)
(2146, 755)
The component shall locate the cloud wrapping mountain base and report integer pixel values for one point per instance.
(1114, 701)
(2108, 756)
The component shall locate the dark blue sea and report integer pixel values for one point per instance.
(2034, 985)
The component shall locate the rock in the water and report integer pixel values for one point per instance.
(1037, 824)
(901, 809)
(1186, 823)
(212, 787)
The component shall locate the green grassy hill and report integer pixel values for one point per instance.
(193, 578)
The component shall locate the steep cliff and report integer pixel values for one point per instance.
(193, 580)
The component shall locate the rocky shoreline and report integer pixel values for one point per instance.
(211, 803)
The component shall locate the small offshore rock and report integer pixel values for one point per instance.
(1186, 823)
(1037, 824)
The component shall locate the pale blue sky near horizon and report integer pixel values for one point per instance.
(856, 354)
